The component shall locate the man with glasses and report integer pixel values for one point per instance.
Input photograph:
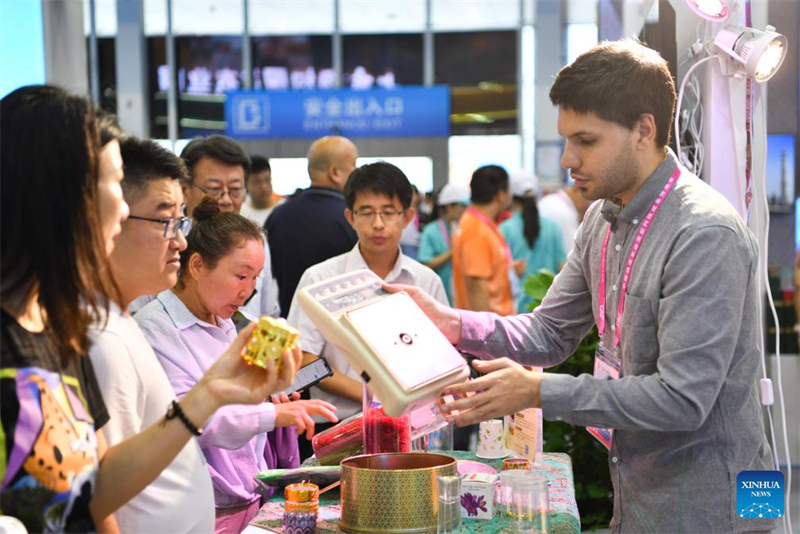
(378, 200)
(135, 388)
(218, 167)
(261, 198)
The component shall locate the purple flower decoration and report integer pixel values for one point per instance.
(472, 503)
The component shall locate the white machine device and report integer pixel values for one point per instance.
(400, 354)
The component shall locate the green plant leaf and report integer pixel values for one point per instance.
(536, 286)
(596, 491)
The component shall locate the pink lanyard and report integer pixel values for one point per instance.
(445, 233)
(645, 226)
(493, 227)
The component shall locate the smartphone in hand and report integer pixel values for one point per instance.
(310, 375)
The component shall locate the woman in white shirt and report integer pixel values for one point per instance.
(190, 324)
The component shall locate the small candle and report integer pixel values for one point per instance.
(516, 463)
(300, 508)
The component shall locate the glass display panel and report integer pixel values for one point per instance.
(481, 69)
(293, 62)
(157, 86)
(107, 64)
(471, 58)
(382, 60)
(207, 67)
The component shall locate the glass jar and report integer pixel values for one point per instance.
(341, 441)
(448, 516)
(525, 501)
(300, 508)
(383, 433)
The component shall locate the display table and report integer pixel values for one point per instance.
(557, 467)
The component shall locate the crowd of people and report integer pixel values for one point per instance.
(65, 284)
(127, 271)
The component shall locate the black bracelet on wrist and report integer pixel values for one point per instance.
(174, 410)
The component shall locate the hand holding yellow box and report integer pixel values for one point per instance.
(268, 342)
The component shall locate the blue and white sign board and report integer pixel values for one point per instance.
(403, 112)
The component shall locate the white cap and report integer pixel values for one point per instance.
(524, 184)
(452, 194)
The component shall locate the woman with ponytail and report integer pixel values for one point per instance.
(532, 238)
(436, 241)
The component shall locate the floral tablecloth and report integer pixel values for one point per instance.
(557, 467)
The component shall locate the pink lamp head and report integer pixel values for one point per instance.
(759, 54)
(711, 10)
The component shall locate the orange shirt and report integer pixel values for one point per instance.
(480, 251)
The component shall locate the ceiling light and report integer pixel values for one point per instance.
(758, 53)
(713, 10)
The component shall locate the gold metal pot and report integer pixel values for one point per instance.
(392, 493)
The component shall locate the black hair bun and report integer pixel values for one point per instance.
(207, 208)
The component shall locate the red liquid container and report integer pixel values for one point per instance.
(382, 433)
(342, 441)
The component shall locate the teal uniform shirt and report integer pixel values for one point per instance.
(547, 253)
(436, 238)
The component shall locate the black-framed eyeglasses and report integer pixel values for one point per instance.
(387, 216)
(171, 224)
(235, 193)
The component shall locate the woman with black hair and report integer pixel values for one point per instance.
(532, 238)
(189, 325)
(436, 240)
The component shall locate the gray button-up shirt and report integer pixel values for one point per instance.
(686, 407)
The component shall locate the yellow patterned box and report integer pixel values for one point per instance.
(270, 338)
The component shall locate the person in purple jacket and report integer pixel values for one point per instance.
(189, 325)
